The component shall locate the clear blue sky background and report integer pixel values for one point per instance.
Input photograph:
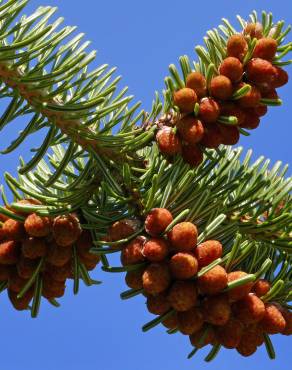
(95, 330)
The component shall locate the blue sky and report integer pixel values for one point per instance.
(95, 330)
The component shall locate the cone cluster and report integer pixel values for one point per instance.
(44, 244)
(173, 271)
(213, 112)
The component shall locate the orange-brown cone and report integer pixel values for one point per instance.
(213, 281)
(34, 248)
(158, 304)
(221, 87)
(190, 129)
(197, 82)
(132, 253)
(190, 321)
(14, 230)
(261, 287)
(232, 68)
(9, 252)
(208, 252)
(237, 46)
(183, 265)
(156, 278)
(37, 226)
(183, 295)
(273, 321)
(240, 292)
(265, 48)
(58, 256)
(168, 141)
(66, 230)
(192, 155)
(155, 249)
(216, 310)
(157, 221)
(209, 110)
(183, 236)
(134, 279)
(229, 335)
(185, 99)
(249, 310)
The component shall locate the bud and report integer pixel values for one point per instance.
(185, 99)
(221, 87)
(237, 46)
(197, 82)
(66, 230)
(168, 141)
